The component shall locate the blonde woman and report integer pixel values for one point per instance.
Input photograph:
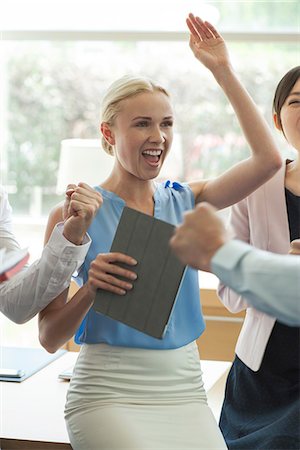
(129, 390)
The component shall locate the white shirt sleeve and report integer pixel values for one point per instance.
(31, 290)
(270, 282)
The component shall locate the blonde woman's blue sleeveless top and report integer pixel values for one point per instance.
(186, 322)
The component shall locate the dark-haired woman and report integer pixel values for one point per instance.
(261, 409)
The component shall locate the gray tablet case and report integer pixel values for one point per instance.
(147, 307)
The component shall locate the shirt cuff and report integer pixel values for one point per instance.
(60, 246)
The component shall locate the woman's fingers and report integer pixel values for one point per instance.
(202, 29)
(193, 31)
(109, 288)
(105, 272)
(212, 29)
(199, 29)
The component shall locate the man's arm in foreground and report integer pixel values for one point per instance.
(269, 282)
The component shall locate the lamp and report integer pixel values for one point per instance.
(173, 165)
(82, 160)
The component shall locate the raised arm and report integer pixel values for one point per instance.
(210, 49)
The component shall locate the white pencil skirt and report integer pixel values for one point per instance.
(127, 398)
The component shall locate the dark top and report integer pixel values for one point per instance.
(293, 209)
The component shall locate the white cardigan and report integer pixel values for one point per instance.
(262, 221)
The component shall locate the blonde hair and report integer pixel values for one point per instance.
(123, 88)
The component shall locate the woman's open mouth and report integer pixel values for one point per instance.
(152, 156)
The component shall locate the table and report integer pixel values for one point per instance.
(32, 412)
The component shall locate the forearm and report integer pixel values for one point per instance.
(59, 324)
(30, 291)
(254, 126)
(269, 282)
(249, 173)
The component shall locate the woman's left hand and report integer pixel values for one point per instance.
(207, 44)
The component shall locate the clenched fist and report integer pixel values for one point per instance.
(201, 234)
(81, 205)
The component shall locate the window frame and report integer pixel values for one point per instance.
(98, 35)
